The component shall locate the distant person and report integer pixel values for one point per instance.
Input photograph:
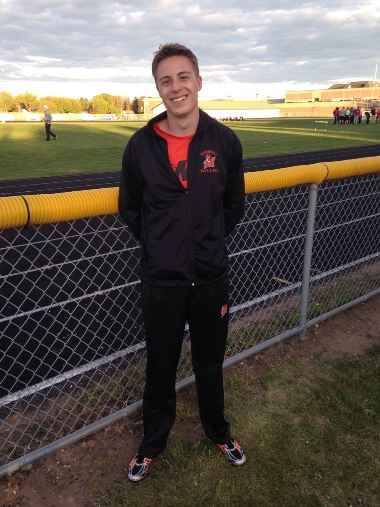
(342, 115)
(361, 114)
(336, 115)
(378, 116)
(373, 115)
(352, 115)
(181, 194)
(356, 115)
(48, 119)
(368, 116)
(348, 113)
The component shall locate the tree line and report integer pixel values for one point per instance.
(99, 104)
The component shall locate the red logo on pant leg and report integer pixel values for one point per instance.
(224, 311)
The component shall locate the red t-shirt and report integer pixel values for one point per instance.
(178, 147)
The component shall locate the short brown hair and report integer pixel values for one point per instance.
(173, 49)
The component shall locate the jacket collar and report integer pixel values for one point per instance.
(204, 120)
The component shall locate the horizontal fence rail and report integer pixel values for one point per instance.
(23, 210)
(71, 334)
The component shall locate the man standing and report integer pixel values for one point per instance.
(48, 119)
(373, 114)
(181, 193)
(336, 115)
(356, 115)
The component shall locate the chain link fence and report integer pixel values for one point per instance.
(72, 341)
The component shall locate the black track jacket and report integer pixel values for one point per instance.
(182, 232)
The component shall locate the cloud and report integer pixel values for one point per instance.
(245, 47)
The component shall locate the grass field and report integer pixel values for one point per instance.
(98, 147)
(312, 428)
(315, 438)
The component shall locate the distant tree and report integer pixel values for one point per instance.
(73, 106)
(138, 105)
(7, 102)
(28, 101)
(141, 104)
(118, 104)
(127, 106)
(66, 105)
(59, 105)
(51, 102)
(115, 102)
(85, 104)
(99, 105)
(135, 106)
(106, 97)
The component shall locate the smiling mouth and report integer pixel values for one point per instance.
(179, 99)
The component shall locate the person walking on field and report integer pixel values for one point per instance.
(47, 118)
(181, 194)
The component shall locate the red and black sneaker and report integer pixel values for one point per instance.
(233, 452)
(138, 468)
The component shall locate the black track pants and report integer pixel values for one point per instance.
(48, 131)
(166, 311)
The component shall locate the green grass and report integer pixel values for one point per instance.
(98, 147)
(296, 135)
(312, 440)
(80, 148)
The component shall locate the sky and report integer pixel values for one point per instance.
(246, 48)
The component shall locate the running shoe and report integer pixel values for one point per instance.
(233, 452)
(138, 468)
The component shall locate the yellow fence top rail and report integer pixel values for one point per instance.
(19, 211)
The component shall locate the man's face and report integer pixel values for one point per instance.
(178, 85)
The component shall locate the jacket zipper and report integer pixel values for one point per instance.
(191, 240)
(192, 256)
(192, 262)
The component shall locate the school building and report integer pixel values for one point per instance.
(301, 103)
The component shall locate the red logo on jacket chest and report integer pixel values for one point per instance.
(209, 162)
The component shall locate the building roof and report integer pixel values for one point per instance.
(353, 84)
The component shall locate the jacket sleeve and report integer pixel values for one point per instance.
(234, 194)
(130, 192)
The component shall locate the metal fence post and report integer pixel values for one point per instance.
(308, 250)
